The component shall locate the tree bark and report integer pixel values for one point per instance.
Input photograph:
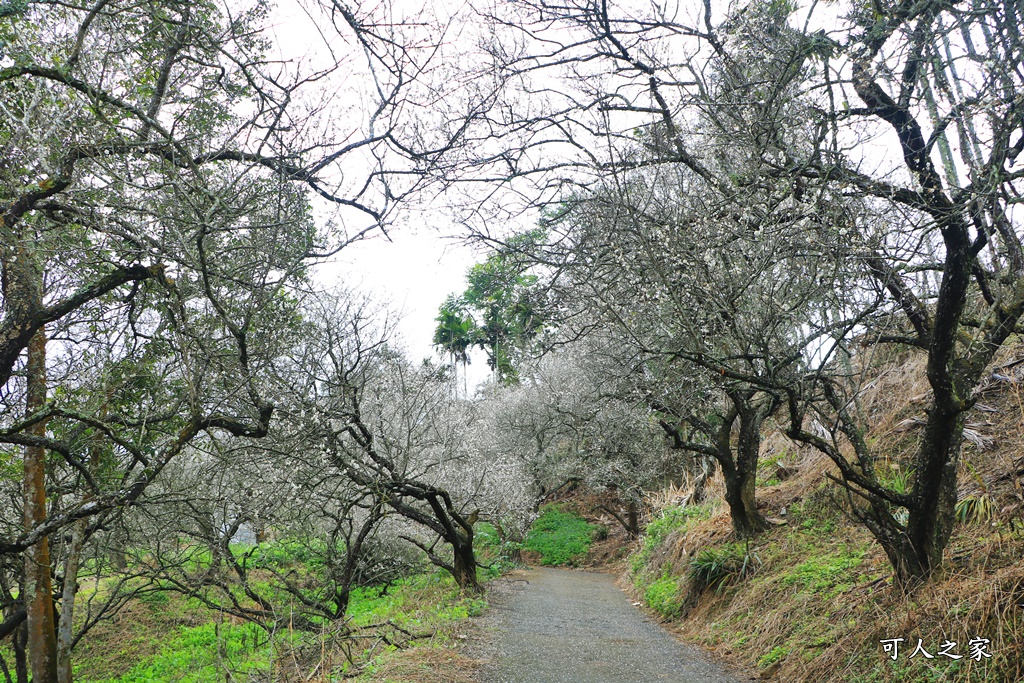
(740, 471)
(65, 629)
(931, 518)
(118, 539)
(633, 517)
(42, 640)
(747, 522)
(464, 564)
(707, 470)
(631, 523)
(20, 644)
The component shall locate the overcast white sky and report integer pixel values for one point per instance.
(413, 274)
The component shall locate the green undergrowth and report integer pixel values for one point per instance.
(673, 520)
(665, 595)
(496, 555)
(166, 637)
(560, 537)
(192, 654)
(809, 600)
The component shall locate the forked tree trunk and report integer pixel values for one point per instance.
(747, 522)
(38, 599)
(917, 552)
(739, 466)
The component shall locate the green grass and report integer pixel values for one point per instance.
(776, 654)
(918, 670)
(665, 596)
(717, 567)
(194, 652)
(828, 572)
(671, 520)
(200, 654)
(560, 537)
(286, 554)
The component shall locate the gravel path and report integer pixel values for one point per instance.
(560, 626)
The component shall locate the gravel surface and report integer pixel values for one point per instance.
(561, 626)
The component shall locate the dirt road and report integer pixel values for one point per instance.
(561, 626)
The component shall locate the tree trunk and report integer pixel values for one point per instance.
(741, 471)
(932, 516)
(707, 470)
(952, 376)
(747, 522)
(116, 553)
(65, 627)
(14, 614)
(19, 641)
(38, 599)
(67, 603)
(464, 564)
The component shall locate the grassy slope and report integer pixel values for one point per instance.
(408, 633)
(817, 598)
(171, 638)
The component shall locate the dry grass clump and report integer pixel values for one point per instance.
(423, 665)
(671, 495)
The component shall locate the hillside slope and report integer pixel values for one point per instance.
(812, 599)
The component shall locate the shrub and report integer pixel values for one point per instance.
(496, 555)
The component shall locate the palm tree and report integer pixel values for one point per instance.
(455, 334)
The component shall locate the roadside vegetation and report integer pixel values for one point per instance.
(812, 597)
(561, 537)
(175, 639)
(406, 629)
